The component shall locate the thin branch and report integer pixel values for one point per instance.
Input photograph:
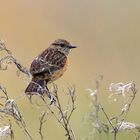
(107, 118)
(3, 89)
(63, 119)
(10, 108)
(11, 59)
(72, 97)
(3, 47)
(13, 110)
(42, 121)
(12, 133)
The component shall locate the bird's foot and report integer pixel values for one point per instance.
(52, 98)
(50, 95)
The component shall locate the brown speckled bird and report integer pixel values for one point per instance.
(49, 66)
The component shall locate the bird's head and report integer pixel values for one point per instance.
(63, 46)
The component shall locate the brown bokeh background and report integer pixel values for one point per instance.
(107, 34)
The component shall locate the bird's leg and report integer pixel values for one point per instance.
(49, 94)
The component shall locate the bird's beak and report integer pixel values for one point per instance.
(72, 47)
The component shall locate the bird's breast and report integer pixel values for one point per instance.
(58, 73)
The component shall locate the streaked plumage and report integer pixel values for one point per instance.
(49, 65)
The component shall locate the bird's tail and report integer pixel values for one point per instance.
(36, 86)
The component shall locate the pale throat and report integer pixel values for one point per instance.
(64, 50)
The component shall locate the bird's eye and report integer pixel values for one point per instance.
(62, 45)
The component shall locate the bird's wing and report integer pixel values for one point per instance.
(48, 61)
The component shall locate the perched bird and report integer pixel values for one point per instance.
(49, 66)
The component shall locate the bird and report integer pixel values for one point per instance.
(48, 66)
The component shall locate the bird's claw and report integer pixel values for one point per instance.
(52, 98)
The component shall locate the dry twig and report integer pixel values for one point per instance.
(114, 124)
(10, 107)
(42, 121)
(64, 117)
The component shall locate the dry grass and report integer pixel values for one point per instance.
(10, 108)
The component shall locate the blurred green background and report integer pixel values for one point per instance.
(107, 33)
